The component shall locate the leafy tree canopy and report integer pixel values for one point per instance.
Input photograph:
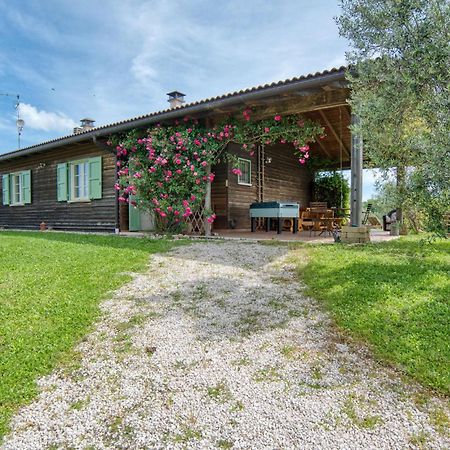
(400, 58)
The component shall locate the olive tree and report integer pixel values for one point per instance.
(399, 74)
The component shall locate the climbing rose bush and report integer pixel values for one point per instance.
(167, 169)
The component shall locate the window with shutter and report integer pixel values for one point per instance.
(16, 188)
(80, 181)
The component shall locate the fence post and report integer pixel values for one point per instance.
(207, 206)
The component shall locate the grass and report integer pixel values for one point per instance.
(50, 287)
(395, 296)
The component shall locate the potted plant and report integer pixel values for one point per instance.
(395, 229)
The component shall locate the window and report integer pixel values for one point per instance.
(16, 188)
(79, 181)
(245, 178)
(79, 177)
(16, 182)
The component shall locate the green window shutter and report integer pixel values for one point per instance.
(61, 182)
(26, 186)
(5, 189)
(95, 177)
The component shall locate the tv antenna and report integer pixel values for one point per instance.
(20, 123)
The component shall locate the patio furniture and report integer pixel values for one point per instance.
(275, 210)
(366, 213)
(305, 222)
(388, 219)
(328, 222)
(318, 205)
(322, 220)
(374, 222)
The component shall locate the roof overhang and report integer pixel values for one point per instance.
(297, 86)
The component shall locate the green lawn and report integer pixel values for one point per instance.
(50, 288)
(395, 296)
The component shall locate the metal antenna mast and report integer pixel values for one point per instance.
(20, 123)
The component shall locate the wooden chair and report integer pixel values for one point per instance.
(374, 222)
(318, 205)
(367, 213)
(305, 222)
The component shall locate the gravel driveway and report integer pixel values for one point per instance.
(217, 347)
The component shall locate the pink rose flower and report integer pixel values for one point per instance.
(277, 118)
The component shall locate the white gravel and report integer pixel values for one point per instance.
(217, 347)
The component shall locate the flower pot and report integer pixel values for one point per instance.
(395, 230)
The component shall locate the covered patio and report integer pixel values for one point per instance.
(322, 98)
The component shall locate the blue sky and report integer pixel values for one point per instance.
(112, 60)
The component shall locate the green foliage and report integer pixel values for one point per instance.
(400, 89)
(392, 295)
(50, 288)
(331, 187)
(387, 199)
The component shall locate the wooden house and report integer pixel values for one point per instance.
(68, 182)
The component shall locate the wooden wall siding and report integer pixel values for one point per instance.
(219, 195)
(94, 215)
(240, 197)
(285, 179)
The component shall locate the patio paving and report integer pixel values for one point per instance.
(376, 235)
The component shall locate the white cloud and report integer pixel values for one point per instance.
(44, 120)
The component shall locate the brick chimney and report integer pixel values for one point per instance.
(176, 99)
(86, 125)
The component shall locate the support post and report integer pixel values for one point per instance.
(356, 177)
(207, 225)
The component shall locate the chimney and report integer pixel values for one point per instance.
(86, 125)
(176, 99)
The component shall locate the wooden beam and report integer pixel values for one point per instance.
(346, 110)
(295, 104)
(320, 143)
(333, 132)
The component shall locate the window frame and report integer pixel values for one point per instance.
(249, 162)
(85, 177)
(13, 191)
